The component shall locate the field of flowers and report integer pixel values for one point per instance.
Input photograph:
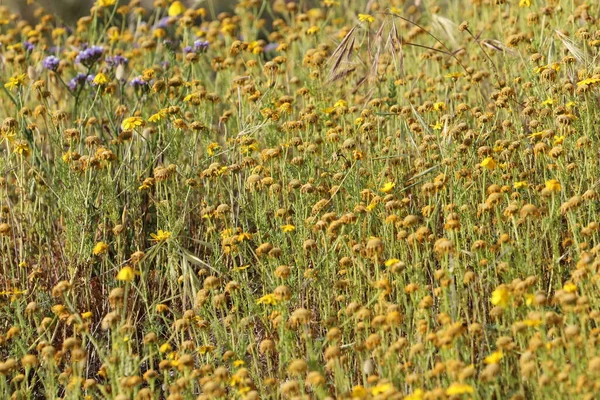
(347, 199)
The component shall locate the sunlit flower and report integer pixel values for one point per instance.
(15, 81)
(100, 248)
(176, 8)
(127, 274)
(288, 228)
(457, 389)
(268, 299)
(500, 296)
(366, 18)
(161, 235)
(131, 123)
(387, 187)
(553, 185)
(494, 358)
(488, 163)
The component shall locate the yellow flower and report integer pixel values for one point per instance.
(524, 3)
(439, 106)
(381, 388)
(87, 315)
(313, 30)
(589, 81)
(391, 261)
(488, 163)
(456, 389)
(558, 140)
(161, 235)
(105, 3)
(100, 248)
(161, 308)
(416, 395)
(100, 79)
(288, 228)
(532, 322)
(437, 126)
(22, 148)
(127, 274)
(268, 299)
(206, 349)
(553, 185)
(454, 75)
(570, 287)
(494, 358)
(211, 148)
(15, 81)
(165, 347)
(359, 392)
(548, 102)
(387, 187)
(500, 296)
(520, 184)
(238, 363)
(175, 9)
(366, 18)
(160, 115)
(131, 123)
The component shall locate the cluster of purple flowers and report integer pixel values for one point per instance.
(79, 79)
(200, 46)
(51, 63)
(117, 60)
(90, 55)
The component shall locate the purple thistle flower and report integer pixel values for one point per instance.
(28, 45)
(51, 63)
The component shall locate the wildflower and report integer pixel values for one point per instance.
(176, 8)
(105, 3)
(488, 163)
(212, 148)
(588, 81)
(22, 148)
(359, 392)
(548, 102)
(288, 228)
(457, 389)
(570, 287)
(366, 18)
(126, 274)
(87, 315)
(437, 126)
(165, 348)
(201, 45)
(494, 358)
(100, 79)
(100, 248)
(131, 123)
(387, 187)
(160, 115)
(268, 299)
(238, 363)
(391, 261)
(453, 75)
(524, 3)
(160, 236)
(89, 56)
(439, 106)
(51, 63)
(79, 79)
(416, 395)
(520, 184)
(381, 388)
(500, 296)
(553, 185)
(15, 81)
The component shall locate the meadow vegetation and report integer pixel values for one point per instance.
(345, 199)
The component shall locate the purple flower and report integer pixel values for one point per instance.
(201, 45)
(89, 56)
(116, 60)
(51, 63)
(138, 82)
(28, 45)
(79, 79)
